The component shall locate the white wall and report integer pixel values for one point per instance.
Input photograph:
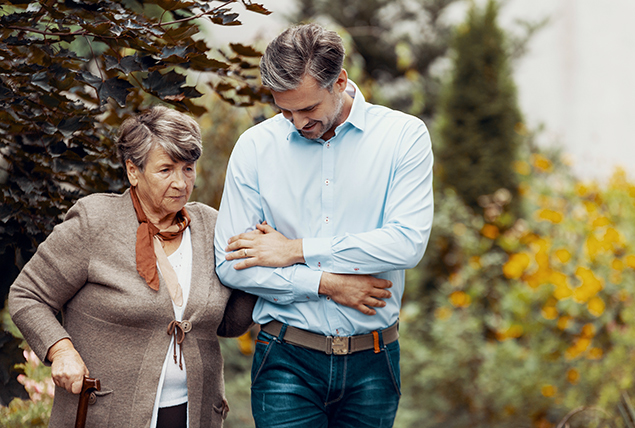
(578, 79)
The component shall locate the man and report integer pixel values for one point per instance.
(325, 206)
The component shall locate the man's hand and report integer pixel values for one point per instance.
(67, 367)
(361, 292)
(264, 246)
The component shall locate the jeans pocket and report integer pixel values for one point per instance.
(264, 343)
(392, 353)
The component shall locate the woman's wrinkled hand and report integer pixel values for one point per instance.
(67, 367)
(264, 246)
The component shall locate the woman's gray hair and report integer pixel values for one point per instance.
(301, 50)
(176, 133)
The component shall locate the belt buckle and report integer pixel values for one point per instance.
(339, 345)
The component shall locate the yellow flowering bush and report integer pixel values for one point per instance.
(514, 322)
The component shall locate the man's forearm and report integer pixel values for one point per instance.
(264, 247)
(360, 292)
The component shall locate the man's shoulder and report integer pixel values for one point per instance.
(404, 130)
(262, 138)
(379, 112)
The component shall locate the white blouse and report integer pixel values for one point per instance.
(172, 389)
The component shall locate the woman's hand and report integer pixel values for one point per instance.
(67, 367)
(264, 246)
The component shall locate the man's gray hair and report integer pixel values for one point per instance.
(302, 50)
(176, 133)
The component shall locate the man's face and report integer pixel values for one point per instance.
(314, 111)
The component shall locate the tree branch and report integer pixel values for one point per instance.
(198, 15)
(49, 33)
(88, 33)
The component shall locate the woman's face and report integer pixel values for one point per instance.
(164, 186)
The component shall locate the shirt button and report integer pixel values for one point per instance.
(326, 220)
(326, 181)
(328, 145)
(328, 297)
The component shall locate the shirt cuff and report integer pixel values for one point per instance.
(317, 253)
(306, 284)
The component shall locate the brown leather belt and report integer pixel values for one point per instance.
(338, 345)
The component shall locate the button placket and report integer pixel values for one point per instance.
(328, 161)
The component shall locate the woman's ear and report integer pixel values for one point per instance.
(132, 171)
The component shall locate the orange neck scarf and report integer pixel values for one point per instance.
(150, 251)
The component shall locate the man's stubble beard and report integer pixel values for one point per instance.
(331, 123)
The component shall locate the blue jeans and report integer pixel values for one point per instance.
(295, 387)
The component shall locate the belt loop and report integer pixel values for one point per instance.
(283, 330)
(376, 342)
(381, 339)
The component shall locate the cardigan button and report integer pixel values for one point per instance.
(92, 398)
(186, 326)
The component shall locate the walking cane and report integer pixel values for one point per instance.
(88, 386)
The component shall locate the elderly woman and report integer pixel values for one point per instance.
(134, 277)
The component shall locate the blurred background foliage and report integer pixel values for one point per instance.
(520, 314)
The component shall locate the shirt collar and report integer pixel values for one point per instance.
(356, 116)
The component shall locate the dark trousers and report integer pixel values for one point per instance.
(172, 417)
(298, 387)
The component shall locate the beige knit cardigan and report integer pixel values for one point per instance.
(86, 270)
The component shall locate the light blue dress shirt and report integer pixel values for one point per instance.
(362, 203)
